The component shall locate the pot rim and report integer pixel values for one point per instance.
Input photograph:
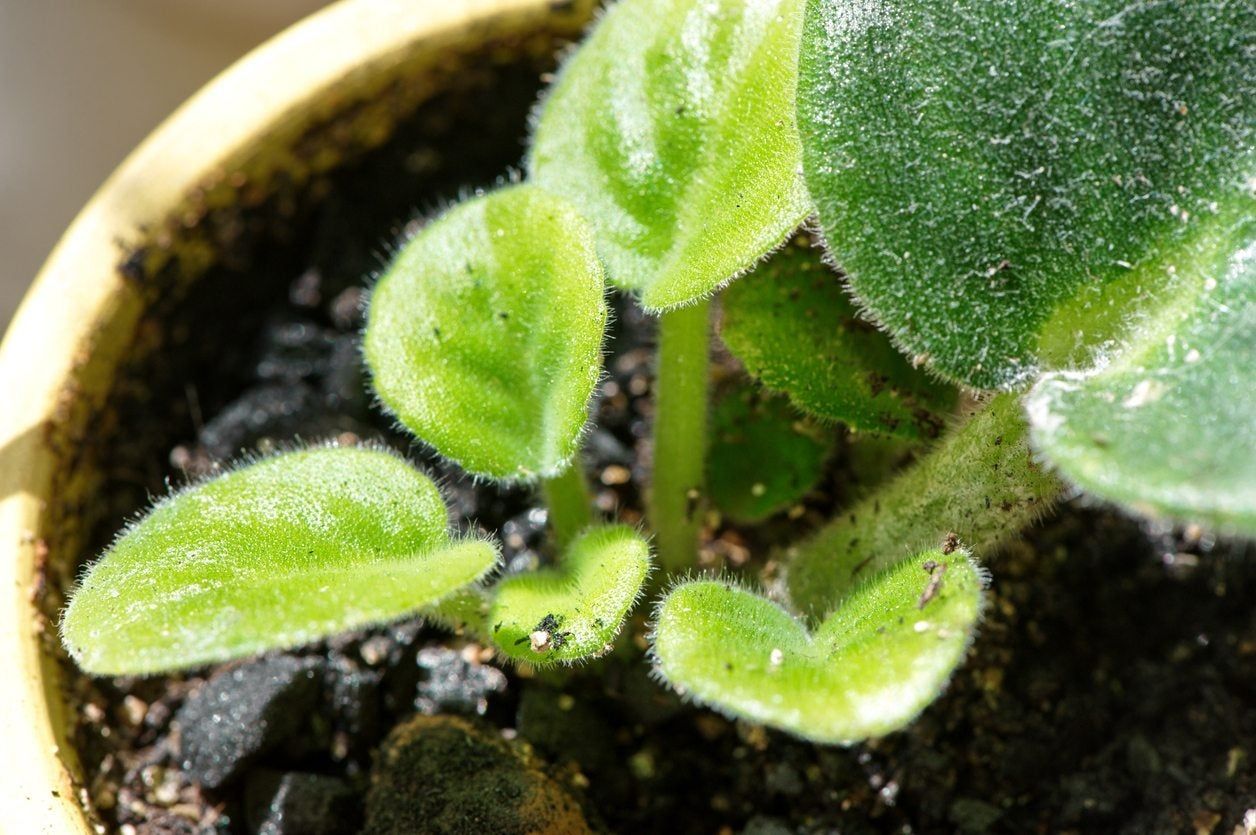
(72, 329)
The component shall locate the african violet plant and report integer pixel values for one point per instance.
(1045, 208)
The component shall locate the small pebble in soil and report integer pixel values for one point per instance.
(297, 803)
(352, 694)
(455, 682)
(241, 713)
(294, 349)
(275, 411)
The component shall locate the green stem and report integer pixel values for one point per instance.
(680, 434)
(568, 502)
(980, 482)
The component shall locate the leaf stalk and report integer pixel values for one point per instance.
(981, 482)
(680, 434)
(568, 502)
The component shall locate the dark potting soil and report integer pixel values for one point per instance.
(1112, 687)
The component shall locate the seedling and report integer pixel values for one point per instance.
(1046, 206)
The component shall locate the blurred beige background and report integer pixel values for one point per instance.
(82, 82)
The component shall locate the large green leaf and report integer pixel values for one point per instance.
(673, 130)
(275, 554)
(1169, 426)
(573, 611)
(1001, 179)
(869, 669)
(793, 326)
(484, 335)
(764, 456)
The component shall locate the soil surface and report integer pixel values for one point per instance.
(1112, 687)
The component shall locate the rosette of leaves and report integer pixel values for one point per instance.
(868, 669)
(277, 553)
(672, 129)
(1023, 195)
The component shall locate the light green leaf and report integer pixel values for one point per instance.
(764, 456)
(484, 335)
(793, 327)
(1001, 179)
(672, 128)
(1169, 427)
(571, 612)
(278, 553)
(869, 669)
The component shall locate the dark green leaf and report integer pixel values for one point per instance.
(1005, 181)
(764, 456)
(1168, 428)
(793, 327)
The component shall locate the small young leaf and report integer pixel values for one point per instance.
(793, 327)
(764, 456)
(992, 175)
(672, 128)
(279, 553)
(484, 335)
(869, 669)
(573, 611)
(1169, 428)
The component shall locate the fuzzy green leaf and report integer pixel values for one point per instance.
(869, 669)
(1169, 427)
(1000, 178)
(764, 456)
(672, 128)
(573, 611)
(793, 326)
(484, 335)
(278, 553)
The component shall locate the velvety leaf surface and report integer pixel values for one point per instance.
(484, 334)
(995, 176)
(869, 669)
(792, 325)
(764, 456)
(278, 553)
(1169, 427)
(672, 128)
(575, 610)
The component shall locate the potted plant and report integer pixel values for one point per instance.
(1075, 255)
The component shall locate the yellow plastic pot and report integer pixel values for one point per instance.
(304, 104)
